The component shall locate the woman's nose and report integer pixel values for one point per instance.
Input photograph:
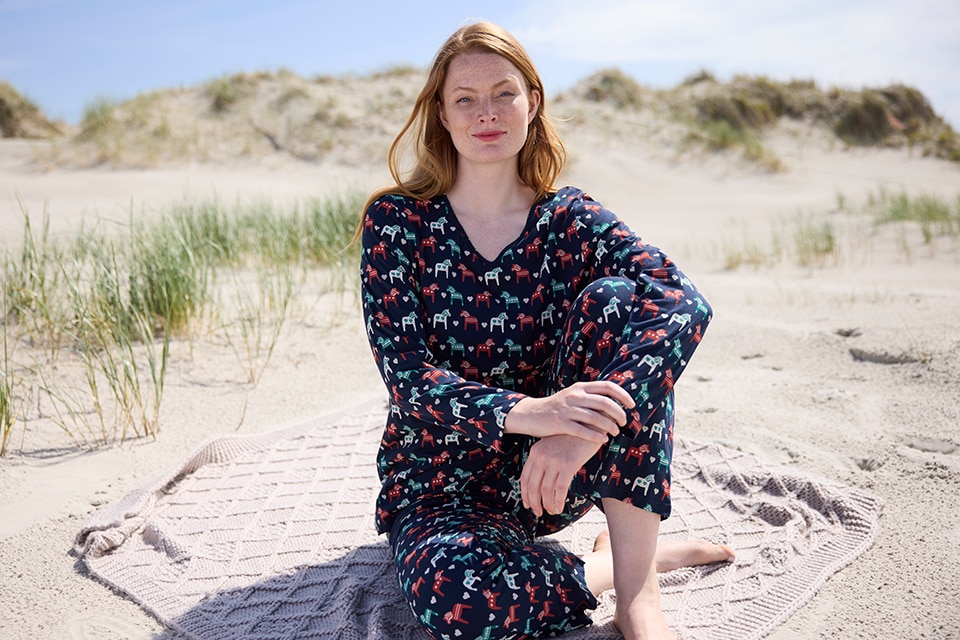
(487, 112)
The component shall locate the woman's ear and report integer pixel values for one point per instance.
(442, 115)
(534, 105)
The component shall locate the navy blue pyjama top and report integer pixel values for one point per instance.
(460, 339)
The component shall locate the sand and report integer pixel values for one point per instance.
(795, 368)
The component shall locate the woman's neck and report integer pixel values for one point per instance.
(490, 192)
(492, 209)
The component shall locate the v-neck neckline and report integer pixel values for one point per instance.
(529, 224)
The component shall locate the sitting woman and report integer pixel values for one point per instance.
(530, 343)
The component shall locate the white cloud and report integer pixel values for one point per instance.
(848, 43)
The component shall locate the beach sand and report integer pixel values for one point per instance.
(794, 369)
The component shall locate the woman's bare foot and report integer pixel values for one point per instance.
(674, 555)
(690, 553)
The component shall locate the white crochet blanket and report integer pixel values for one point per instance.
(271, 536)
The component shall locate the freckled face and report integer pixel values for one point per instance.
(486, 107)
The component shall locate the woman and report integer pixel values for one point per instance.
(530, 343)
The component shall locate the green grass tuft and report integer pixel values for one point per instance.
(11, 403)
(864, 121)
(99, 119)
(116, 303)
(615, 87)
(815, 241)
(934, 215)
(225, 93)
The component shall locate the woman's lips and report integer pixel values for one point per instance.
(489, 136)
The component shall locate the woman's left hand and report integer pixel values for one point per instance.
(550, 468)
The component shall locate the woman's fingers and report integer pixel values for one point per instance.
(532, 487)
(582, 417)
(549, 470)
(601, 405)
(596, 433)
(558, 496)
(591, 411)
(611, 390)
(542, 493)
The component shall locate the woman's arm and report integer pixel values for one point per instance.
(587, 410)
(399, 339)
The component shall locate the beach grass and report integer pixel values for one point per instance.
(847, 234)
(720, 135)
(815, 241)
(262, 309)
(934, 215)
(32, 285)
(110, 304)
(116, 339)
(615, 87)
(935, 219)
(20, 117)
(11, 404)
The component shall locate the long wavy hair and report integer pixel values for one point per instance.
(434, 171)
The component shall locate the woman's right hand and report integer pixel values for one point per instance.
(590, 411)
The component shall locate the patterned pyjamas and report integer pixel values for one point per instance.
(469, 563)
(460, 339)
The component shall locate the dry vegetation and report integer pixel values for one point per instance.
(735, 115)
(86, 321)
(20, 118)
(352, 119)
(246, 115)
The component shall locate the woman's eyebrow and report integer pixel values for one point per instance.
(506, 80)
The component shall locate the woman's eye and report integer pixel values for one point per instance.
(463, 100)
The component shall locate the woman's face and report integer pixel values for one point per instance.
(487, 108)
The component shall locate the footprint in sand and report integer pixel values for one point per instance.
(869, 464)
(929, 445)
(881, 357)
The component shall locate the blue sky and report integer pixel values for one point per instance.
(63, 54)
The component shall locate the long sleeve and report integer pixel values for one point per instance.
(400, 265)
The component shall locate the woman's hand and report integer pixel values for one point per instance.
(549, 470)
(589, 411)
(572, 425)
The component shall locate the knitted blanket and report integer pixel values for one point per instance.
(271, 536)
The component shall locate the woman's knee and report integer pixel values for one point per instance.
(605, 303)
(596, 323)
(605, 298)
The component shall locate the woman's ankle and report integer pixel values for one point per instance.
(642, 618)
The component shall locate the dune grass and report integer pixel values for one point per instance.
(21, 118)
(615, 87)
(935, 216)
(264, 113)
(824, 239)
(815, 241)
(261, 310)
(11, 402)
(114, 335)
(111, 304)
